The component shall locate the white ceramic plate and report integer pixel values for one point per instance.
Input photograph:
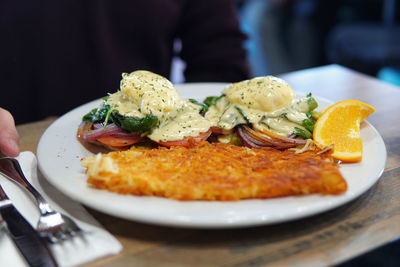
(59, 155)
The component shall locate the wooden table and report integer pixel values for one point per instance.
(329, 238)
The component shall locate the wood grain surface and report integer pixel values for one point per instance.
(325, 239)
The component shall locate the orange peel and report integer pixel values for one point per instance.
(339, 125)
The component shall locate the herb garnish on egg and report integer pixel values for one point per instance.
(147, 106)
(259, 110)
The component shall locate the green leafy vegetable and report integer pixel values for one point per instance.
(309, 122)
(212, 100)
(98, 114)
(107, 117)
(316, 114)
(303, 133)
(135, 124)
(92, 116)
(204, 107)
(105, 114)
(311, 102)
(242, 114)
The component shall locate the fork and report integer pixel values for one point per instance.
(52, 225)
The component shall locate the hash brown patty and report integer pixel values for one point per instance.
(215, 172)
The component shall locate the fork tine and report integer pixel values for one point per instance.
(51, 238)
(70, 224)
(70, 232)
(61, 235)
(52, 225)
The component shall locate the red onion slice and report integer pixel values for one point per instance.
(90, 132)
(246, 140)
(252, 138)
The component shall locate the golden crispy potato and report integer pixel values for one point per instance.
(215, 172)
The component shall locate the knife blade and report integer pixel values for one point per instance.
(27, 240)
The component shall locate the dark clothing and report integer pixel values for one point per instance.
(56, 55)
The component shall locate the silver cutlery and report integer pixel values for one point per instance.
(52, 225)
(26, 239)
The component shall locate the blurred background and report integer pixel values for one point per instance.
(288, 35)
(55, 56)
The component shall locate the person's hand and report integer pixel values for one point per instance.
(8, 134)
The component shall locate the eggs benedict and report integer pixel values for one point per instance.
(256, 112)
(266, 105)
(147, 106)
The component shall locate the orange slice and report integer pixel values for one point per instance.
(339, 125)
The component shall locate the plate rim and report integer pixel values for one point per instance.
(217, 224)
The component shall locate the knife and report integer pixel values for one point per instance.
(27, 240)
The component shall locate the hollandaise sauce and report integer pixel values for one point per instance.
(267, 103)
(145, 93)
(149, 106)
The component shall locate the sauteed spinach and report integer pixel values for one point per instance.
(105, 114)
